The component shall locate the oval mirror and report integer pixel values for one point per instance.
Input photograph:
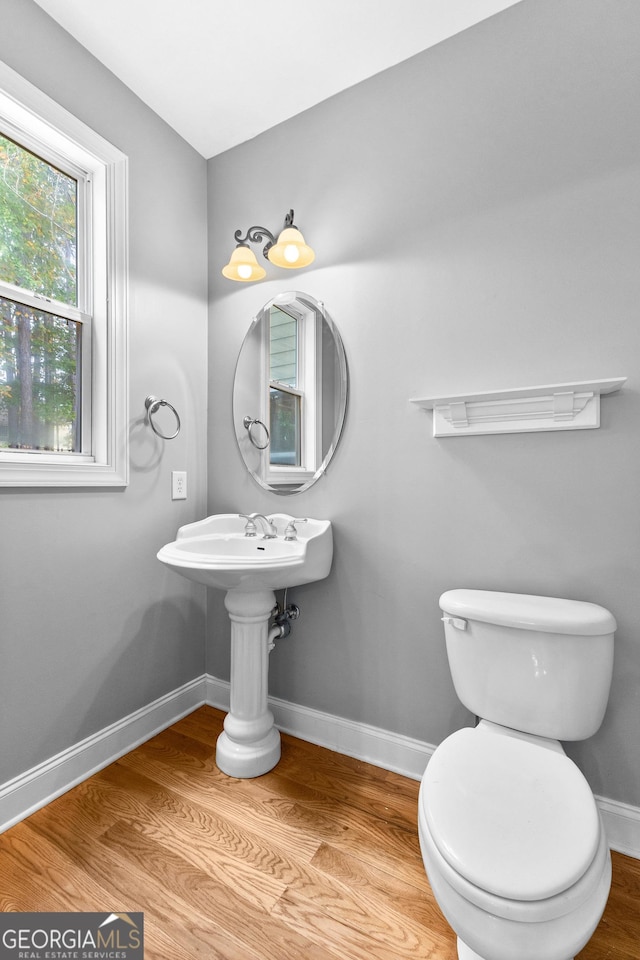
(290, 393)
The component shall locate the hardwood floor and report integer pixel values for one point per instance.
(319, 859)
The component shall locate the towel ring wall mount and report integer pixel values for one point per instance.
(152, 405)
(251, 422)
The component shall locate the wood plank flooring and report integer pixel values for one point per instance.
(319, 859)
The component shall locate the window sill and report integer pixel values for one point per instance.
(77, 474)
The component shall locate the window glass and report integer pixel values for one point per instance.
(39, 380)
(38, 224)
(284, 405)
(283, 352)
(284, 427)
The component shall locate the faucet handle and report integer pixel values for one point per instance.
(250, 529)
(291, 533)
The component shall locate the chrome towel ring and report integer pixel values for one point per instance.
(153, 404)
(249, 423)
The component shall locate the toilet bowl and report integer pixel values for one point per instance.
(510, 833)
(513, 846)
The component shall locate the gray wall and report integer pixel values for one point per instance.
(474, 212)
(92, 627)
(475, 216)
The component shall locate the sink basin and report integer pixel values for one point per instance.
(216, 552)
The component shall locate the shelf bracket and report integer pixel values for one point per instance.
(563, 405)
(458, 414)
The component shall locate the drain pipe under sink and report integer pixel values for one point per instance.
(281, 626)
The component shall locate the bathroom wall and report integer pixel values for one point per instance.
(92, 627)
(475, 216)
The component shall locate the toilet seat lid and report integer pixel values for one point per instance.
(513, 816)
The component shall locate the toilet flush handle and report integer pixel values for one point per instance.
(456, 622)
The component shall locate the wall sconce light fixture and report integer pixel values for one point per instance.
(288, 251)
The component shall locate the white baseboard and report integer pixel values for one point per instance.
(622, 826)
(404, 755)
(35, 788)
(391, 751)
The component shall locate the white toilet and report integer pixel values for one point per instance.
(510, 833)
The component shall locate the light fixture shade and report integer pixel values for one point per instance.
(291, 251)
(243, 266)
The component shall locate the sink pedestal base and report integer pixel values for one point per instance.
(250, 743)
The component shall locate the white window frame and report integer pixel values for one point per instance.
(43, 126)
(308, 377)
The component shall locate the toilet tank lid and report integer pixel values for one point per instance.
(546, 614)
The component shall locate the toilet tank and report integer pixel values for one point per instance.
(540, 665)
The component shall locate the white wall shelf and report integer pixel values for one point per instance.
(559, 406)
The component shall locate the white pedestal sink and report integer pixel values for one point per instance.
(216, 552)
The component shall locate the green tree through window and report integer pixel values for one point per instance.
(39, 350)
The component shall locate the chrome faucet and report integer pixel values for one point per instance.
(270, 532)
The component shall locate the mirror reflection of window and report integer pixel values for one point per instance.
(292, 368)
(285, 399)
(283, 342)
(292, 377)
(284, 421)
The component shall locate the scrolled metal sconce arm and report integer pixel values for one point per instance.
(257, 234)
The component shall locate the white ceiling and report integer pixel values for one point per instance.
(222, 71)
